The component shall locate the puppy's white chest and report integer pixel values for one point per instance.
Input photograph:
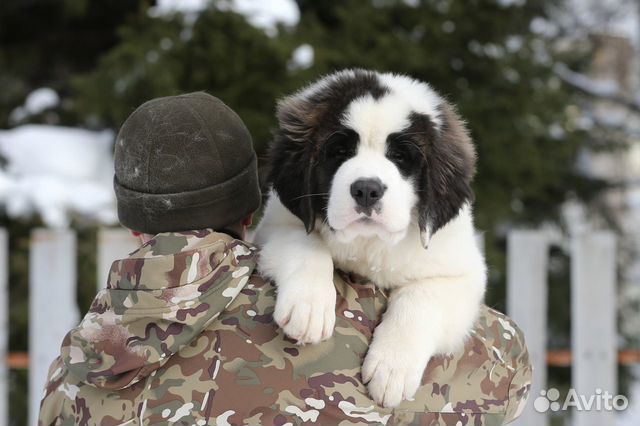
(386, 265)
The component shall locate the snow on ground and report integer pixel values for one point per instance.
(265, 14)
(57, 173)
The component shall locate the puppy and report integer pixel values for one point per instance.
(370, 173)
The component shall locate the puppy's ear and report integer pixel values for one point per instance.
(292, 158)
(446, 177)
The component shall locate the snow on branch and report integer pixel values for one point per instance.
(604, 89)
(58, 173)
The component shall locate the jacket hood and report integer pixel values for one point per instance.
(156, 302)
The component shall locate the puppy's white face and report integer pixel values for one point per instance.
(351, 211)
(369, 197)
(369, 154)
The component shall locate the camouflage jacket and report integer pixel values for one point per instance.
(183, 335)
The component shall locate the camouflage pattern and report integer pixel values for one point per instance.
(183, 335)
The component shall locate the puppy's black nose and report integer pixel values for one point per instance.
(367, 192)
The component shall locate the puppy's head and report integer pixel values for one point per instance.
(368, 153)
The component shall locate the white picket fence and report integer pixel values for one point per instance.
(53, 310)
(52, 300)
(593, 315)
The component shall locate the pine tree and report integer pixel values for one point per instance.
(219, 52)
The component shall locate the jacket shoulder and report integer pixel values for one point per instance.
(485, 382)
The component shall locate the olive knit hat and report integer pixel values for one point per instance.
(184, 163)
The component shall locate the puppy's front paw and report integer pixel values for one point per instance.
(307, 313)
(393, 373)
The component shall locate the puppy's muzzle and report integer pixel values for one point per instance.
(367, 193)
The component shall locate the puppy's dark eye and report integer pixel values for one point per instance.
(338, 151)
(341, 144)
(404, 152)
(399, 156)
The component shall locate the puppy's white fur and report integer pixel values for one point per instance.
(436, 291)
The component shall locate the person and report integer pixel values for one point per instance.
(183, 333)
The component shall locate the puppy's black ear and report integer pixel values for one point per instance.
(446, 178)
(292, 157)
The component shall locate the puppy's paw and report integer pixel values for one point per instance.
(393, 373)
(307, 314)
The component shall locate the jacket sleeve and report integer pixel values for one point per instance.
(485, 382)
(520, 386)
(52, 404)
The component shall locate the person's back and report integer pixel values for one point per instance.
(183, 334)
(186, 337)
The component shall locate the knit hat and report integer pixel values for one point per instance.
(184, 163)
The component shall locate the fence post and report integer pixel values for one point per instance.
(593, 322)
(52, 304)
(113, 244)
(4, 327)
(527, 259)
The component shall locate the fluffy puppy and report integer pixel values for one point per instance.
(370, 173)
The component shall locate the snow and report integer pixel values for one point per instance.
(514, 43)
(57, 173)
(302, 57)
(615, 17)
(509, 3)
(602, 88)
(41, 99)
(543, 27)
(166, 7)
(490, 50)
(585, 122)
(264, 14)
(36, 102)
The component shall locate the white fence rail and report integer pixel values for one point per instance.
(52, 266)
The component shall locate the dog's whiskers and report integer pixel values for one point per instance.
(311, 195)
